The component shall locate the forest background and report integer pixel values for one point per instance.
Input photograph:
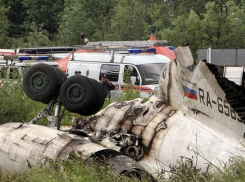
(201, 23)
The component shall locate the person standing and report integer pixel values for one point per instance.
(106, 85)
(84, 37)
(77, 72)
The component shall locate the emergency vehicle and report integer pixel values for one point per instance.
(7, 52)
(144, 68)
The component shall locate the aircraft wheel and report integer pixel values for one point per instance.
(98, 100)
(40, 82)
(62, 76)
(76, 93)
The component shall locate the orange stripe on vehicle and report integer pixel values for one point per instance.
(140, 88)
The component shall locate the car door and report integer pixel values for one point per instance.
(72, 67)
(113, 70)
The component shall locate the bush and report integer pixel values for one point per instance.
(15, 106)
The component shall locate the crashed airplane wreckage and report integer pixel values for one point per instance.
(196, 113)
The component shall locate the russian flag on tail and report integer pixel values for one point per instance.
(190, 93)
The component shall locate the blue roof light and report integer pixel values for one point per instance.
(24, 58)
(151, 50)
(40, 58)
(135, 51)
(43, 58)
(171, 47)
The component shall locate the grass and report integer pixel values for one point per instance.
(68, 170)
(75, 170)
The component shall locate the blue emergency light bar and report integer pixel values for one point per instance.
(171, 47)
(135, 51)
(40, 58)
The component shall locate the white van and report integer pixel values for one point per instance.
(145, 69)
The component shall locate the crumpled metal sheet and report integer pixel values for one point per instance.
(25, 145)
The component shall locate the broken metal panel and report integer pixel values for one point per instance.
(114, 113)
(184, 56)
(26, 145)
(184, 136)
(149, 110)
(89, 148)
(195, 89)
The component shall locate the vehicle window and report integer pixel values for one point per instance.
(70, 49)
(29, 51)
(59, 50)
(3, 72)
(111, 70)
(151, 72)
(44, 51)
(130, 71)
(14, 73)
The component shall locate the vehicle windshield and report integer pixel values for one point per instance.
(150, 72)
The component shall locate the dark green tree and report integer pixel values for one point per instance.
(224, 25)
(73, 22)
(185, 29)
(16, 15)
(100, 12)
(43, 15)
(129, 21)
(4, 25)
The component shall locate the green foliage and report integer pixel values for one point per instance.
(43, 14)
(73, 22)
(32, 39)
(4, 25)
(100, 13)
(14, 104)
(69, 170)
(74, 169)
(128, 21)
(220, 26)
(186, 170)
(210, 23)
(16, 16)
(185, 29)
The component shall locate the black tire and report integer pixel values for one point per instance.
(98, 101)
(76, 93)
(40, 82)
(61, 75)
(61, 79)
